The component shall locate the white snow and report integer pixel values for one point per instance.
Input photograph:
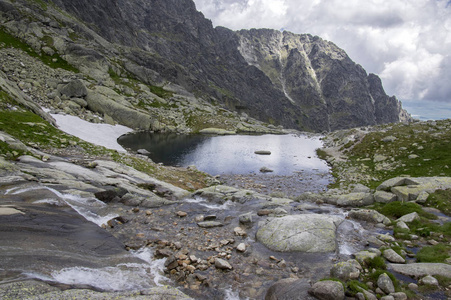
(99, 134)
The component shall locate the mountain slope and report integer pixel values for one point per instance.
(298, 81)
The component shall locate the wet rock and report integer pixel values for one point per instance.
(328, 290)
(262, 152)
(181, 214)
(289, 289)
(245, 218)
(239, 231)
(385, 284)
(300, 233)
(209, 224)
(266, 170)
(346, 270)
(241, 247)
(222, 264)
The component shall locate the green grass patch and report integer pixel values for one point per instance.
(377, 263)
(434, 254)
(441, 200)
(54, 61)
(398, 209)
(354, 286)
(429, 141)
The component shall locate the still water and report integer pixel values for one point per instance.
(231, 154)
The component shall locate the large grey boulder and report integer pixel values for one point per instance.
(385, 283)
(346, 270)
(384, 197)
(369, 215)
(355, 199)
(421, 269)
(300, 233)
(328, 290)
(393, 257)
(74, 89)
(409, 188)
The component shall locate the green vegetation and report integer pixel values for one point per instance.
(354, 286)
(429, 141)
(54, 61)
(437, 254)
(377, 263)
(441, 200)
(398, 209)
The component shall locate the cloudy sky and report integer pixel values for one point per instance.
(406, 42)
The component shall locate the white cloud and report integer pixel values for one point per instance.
(406, 42)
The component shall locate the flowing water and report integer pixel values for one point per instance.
(96, 261)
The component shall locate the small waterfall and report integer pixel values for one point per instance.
(86, 207)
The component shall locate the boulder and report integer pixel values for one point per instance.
(74, 89)
(355, 199)
(328, 290)
(409, 218)
(393, 257)
(384, 197)
(385, 283)
(428, 280)
(289, 289)
(369, 215)
(346, 270)
(364, 256)
(300, 233)
(421, 269)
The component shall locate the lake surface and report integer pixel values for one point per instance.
(231, 154)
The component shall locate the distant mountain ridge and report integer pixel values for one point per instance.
(298, 81)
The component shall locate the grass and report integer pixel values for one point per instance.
(434, 254)
(441, 199)
(54, 61)
(398, 209)
(430, 141)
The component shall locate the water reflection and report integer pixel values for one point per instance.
(233, 154)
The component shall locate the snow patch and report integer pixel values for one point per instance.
(99, 134)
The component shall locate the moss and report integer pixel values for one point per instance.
(438, 253)
(161, 92)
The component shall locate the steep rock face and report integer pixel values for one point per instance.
(328, 89)
(298, 81)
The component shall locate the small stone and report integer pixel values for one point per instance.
(182, 214)
(393, 257)
(135, 210)
(241, 247)
(222, 264)
(239, 231)
(413, 286)
(385, 284)
(148, 213)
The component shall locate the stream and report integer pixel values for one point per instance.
(58, 234)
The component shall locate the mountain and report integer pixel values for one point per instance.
(298, 81)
